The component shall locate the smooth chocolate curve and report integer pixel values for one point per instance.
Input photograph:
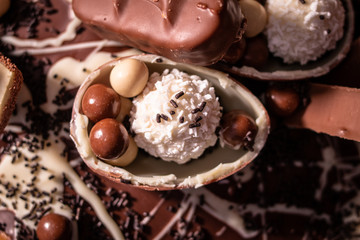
(184, 31)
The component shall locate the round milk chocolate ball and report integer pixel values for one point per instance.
(109, 139)
(129, 77)
(54, 227)
(99, 102)
(238, 129)
(282, 101)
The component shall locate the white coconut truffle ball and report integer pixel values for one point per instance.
(176, 116)
(303, 30)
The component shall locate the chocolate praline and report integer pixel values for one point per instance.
(54, 227)
(283, 101)
(109, 139)
(238, 129)
(100, 102)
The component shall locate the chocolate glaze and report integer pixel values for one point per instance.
(184, 31)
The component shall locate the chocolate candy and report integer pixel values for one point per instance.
(198, 32)
(108, 139)
(100, 102)
(54, 227)
(238, 129)
(282, 101)
(256, 17)
(129, 77)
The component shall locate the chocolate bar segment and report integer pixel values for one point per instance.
(333, 110)
(198, 32)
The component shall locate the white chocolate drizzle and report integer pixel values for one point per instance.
(68, 35)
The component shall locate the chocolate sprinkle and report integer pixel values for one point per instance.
(173, 103)
(179, 94)
(158, 118)
(194, 125)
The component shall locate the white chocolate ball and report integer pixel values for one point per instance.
(129, 77)
(126, 105)
(256, 17)
(4, 6)
(128, 157)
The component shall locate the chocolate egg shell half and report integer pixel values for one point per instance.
(275, 69)
(153, 174)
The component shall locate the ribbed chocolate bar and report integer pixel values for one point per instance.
(191, 31)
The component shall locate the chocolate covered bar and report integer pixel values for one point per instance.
(333, 110)
(184, 31)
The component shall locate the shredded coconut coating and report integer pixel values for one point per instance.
(186, 132)
(302, 32)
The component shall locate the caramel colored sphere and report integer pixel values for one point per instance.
(54, 227)
(282, 101)
(238, 130)
(109, 139)
(255, 15)
(99, 102)
(129, 77)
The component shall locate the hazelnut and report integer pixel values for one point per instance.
(129, 77)
(238, 129)
(109, 139)
(256, 17)
(99, 102)
(4, 6)
(282, 101)
(54, 227)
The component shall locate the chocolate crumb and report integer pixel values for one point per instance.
(322, 17)
(181, 119)
(302, 1)
(172, 112)
(198, 118)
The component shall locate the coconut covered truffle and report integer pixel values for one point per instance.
(303, 30)
(176, 116)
